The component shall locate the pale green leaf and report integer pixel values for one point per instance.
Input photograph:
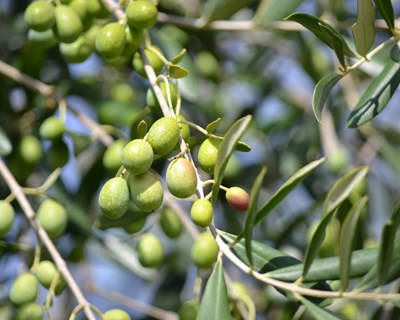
(141, 129)
(318, 312)
(222, 9)
(273, 10)
(364, 28)
(177, 72)
(179, 56)
(213, 125)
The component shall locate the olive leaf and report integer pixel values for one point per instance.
(177, 72)
(273, 10)
(316, 311)
(179, 56)
(364, 29)
(222, 9)
(141, 129)
(377, 95)
(213, 125)
(385, 9)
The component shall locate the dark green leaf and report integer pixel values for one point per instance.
(213, 125)
(141, 129)
(395, 53)
(377, 95)
(315, 243)
(179, 56)
(5, 144)
(241, 146)
(321, 92)
(342, 188)
(325, 32)
(274, 10)
(251, 212)
(364, 29)
(386, 11)
(226, 149)
(285, 189)
(222, 9)
(177, 72)
(346, 240)
(215, 302)
(317, 312)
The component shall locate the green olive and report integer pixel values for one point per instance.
(146, 191)
(114, 198)
(111, 40)
(40, 15)
(52, 217)
(170, 223)
(79, 6)
(134, 38)
(30, 311)
(7, 216)
(112, 156)
(141, 14)
(52, 128)
(163, 135)
(205, 250)
(150, 251)
(137, 156)
(46, 273)
(154, 61)
(237, 198)
(152, 101)
(184, 127)
(181, 178)
(24, 289)
(68, 26)
(77, 51)
(135, 226)
(208, 153)
(202, 212)
(30, 149)
(189, 310)
(42, 39)
(97, 9)
(116, 314)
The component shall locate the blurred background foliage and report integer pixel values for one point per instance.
(269, 72)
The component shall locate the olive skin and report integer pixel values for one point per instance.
(52, 217)
(40, 15)
(204, 252)
(163, 135)
(7, 216)
(30, 311)
(189, 310)
(110, 40)
(52, 128)
(150, 251)
(24, 289)
(141, 14)
(137, 156)
(154, 61)
(202, 212)
(116, 314)
(146, 191)
(208, 153)
(181, 178)
(68, 26)
(237, 198)
(114, 198)
(170, 223)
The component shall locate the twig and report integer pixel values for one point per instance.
(42, 234)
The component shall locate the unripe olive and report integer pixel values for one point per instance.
(30, 311)
(123, 92)
(91, 34)
(137, 156)
(97, 9)
(112, 156)
(170, 223)
(204, 250)
(43, 39)
(208, 153)
(152, 101)
(52, 217)
(77, 51)
(114, 198)
(135, 226)
(46, 272)
(202, 212)
(237, 198)
(110, 40)
(7, 216)
(24, 289)
(68, 26)
(134, 38)
(150, 251)
(30, 149)
(154, 61)
(141, 14)
(52, 128)
(146, 191)
(58, 154)
(189, 310)
(116, 314)
(163, 135)
(40, 15)
(181, 178)
(79, 6)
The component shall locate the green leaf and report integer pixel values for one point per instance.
(321, 92)
(385, 9)
(177, 72)
(273, 10)
(342, 188)
(215, 302)
(5, 143)
(251, 212)
(325, 32)
(241, 146)
(315, 243)
(377, 95)
(286, 188)
(222, 9)
(364, 29)
(316, 311)
(226, 149)
(179, 56)
(141, 129)
(346, 240)
(213, 125)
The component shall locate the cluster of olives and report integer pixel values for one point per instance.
(76, 26)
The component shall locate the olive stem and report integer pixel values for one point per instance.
(44, 237)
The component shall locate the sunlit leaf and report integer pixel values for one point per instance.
(179, 56)
(273, 10)
(286, 188)
(215, 302)
(226, 149)
(177, 72)
(377, 95)
(213, 125)
(321, 92)
(325, 32)
(385, 9)
(346, 240)
(364, 29)
(318, 312)
(251, 212)
(5, 144)
(342, 188)
(222, 9)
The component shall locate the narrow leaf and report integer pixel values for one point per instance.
(377, 95)
(316, 311)
(141, 129)
(321, 92)
(179, 56)
(346, 240)
(177, 72)
(213, 125)
(342, 188)
(251, 212)
(273, 10)
(364, 29)
(286, 188)
(215, 302)
(222, 9)
(5, 143)
(325, 32)
(226, 149)
(385, 9)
